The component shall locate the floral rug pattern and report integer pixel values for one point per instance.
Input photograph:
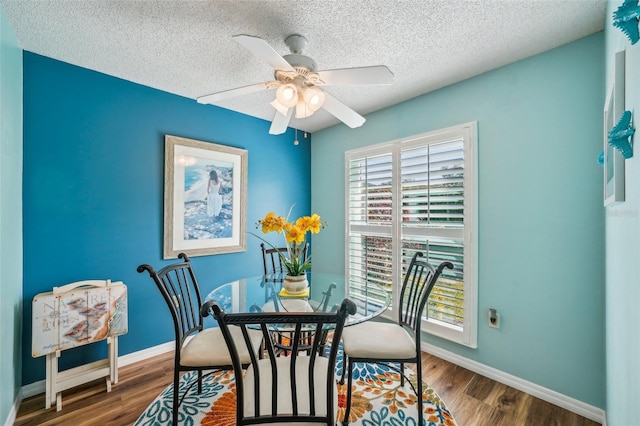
(377, 399)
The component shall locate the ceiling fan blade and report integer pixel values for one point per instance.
(264, 51)
(342, 112)
(280, 122)
(378, 74)
(226, 94)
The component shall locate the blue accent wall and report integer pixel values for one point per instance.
(10, 217)
(94, 185)
(541, 222)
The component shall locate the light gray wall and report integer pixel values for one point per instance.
(541, 219)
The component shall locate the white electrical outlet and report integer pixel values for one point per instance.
(494, 318)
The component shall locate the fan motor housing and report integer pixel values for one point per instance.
(301, 61)
(296, 43)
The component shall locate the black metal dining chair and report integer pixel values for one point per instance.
(196, 347)
(284, 389)
(393, 343)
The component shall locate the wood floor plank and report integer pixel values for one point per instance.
(452, 381)
(433, 367)
(485, 390)
(473, 399)
(468, 409)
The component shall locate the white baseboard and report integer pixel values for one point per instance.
(39, 387)
(146, 353)
(11, 418)
(571, 404)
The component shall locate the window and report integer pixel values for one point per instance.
(417, 194)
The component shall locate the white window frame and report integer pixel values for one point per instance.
(469, 134)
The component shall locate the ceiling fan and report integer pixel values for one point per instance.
(297, 83)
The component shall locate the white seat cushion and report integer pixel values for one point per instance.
(379, 340)
(208, 348)
(284, 386)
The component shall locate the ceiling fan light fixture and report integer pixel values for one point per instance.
(302, 110)
(287, 95)
(313, 98)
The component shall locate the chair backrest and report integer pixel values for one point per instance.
(419, 280)
(272, 261)
(179, 288)
(298, 324)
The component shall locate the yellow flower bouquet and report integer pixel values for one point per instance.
(294, 236)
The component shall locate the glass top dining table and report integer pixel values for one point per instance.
(326, 293)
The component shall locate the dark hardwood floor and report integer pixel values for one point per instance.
(474, 400)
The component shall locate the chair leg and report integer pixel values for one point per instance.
(402, 375)
(199, 382)
(420, 405)
(347, 408)
(344, 367)
(176, 390)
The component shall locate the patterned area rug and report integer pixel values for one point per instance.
(377, 399)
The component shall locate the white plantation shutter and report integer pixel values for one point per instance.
(370, 190)
(413, 195)
(370, 218)
(432, 178)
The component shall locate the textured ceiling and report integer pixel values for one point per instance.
(185, 47)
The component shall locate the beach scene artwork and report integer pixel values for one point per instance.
(199, 221)
(205, 194)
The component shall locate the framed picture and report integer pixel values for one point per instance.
(613, 159)
(205, 198)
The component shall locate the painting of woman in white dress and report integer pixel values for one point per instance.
(214, 200)
(208, 200)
